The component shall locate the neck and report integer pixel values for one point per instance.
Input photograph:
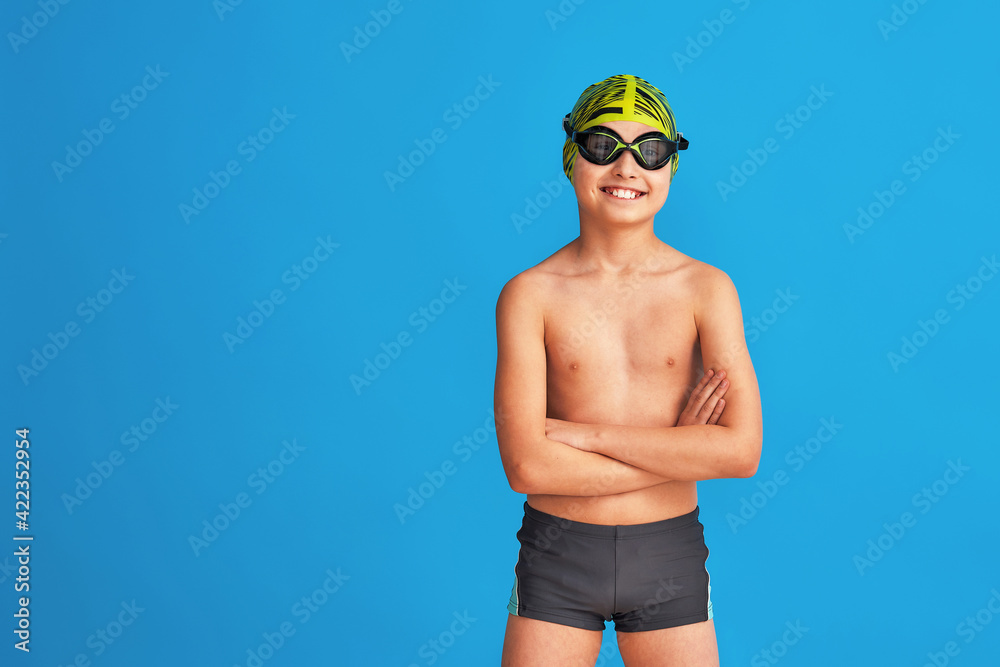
(614, 248)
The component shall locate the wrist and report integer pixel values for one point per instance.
(595, 438)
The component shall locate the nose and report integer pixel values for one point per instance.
(626, 165)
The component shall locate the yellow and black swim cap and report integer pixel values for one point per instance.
(619, 97)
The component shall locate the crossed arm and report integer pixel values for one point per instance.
(713, 438)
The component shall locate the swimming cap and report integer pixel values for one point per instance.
(619, 97)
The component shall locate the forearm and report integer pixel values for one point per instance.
(558, 469)
(683, 453)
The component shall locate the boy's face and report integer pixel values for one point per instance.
(594, 184)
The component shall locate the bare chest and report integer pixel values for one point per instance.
(625, 351)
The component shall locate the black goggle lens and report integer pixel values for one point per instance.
(656, 151)
(601, 146)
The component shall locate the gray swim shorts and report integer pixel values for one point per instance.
(644, 576)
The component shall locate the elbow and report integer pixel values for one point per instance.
(747, 468)
(750, 460)
(517, 474)
(519, 465)
(520, 480)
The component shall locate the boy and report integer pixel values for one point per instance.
(598, 347)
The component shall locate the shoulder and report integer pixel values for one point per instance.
(710, 279)
(707, 288)
(699, 278)
(533, 286)
(526, 289)
(713, 291)
(521, 306)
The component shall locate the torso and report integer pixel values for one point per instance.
(621, 350)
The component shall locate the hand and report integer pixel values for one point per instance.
(705, 404)
(568, 433)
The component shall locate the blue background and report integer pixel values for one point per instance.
(459, 216)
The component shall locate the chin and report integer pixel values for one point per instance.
(632, 217)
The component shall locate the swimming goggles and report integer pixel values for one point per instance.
(601, 145)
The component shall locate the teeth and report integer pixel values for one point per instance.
(623, 194)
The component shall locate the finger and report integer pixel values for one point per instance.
(702, 401)
(700, 385)
(716, 378)
(698, 394)
(722, 388)
(708, 409)
(712, 401)
(714, 419)
(711, 386)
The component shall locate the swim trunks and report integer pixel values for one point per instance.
(645, 576)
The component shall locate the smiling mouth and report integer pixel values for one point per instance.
(623, 193)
